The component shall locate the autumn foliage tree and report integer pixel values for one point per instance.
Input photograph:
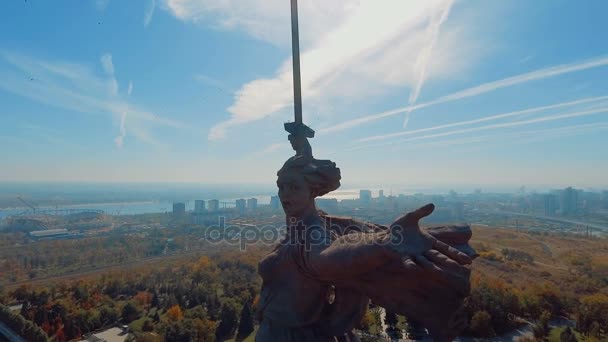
(175, 313)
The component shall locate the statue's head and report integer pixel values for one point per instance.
(300, 180)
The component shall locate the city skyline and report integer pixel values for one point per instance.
(410, 93)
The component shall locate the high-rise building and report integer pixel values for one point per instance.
(365, 197)
(274, 202)
(214, 205)
(550, 204)
(179, 208)
(568, 201)
(241, 205)
(199, 206)
(327, 204)
(381, 197)
(252, 204)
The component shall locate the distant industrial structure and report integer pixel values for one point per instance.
(241, 206)
(214, 205)
(365, 197)
(568, 202)
(179, 209)
(550, 204)
(252, 204)
(328, 205)
(199, 206)
(275, 203)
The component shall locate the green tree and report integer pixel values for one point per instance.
(481, 324)
(246, 321)
(228, 323)
(567, 336)
(155, 300)
(147, 326)
(130, 312)
(390, 319)
(541, 328)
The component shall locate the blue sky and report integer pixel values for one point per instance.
(401, 93)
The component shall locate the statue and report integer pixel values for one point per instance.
(319, 280)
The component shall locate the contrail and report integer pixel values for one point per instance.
(532, 135)
(422, 62)
(487, 118)
(494, 126)
(477, 90)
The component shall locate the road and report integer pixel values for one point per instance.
(9, 334)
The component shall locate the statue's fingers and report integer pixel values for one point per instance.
(442, 260)
(409, 264)
(452, 252)
(449, 268)
(419, 213)
(426, 264)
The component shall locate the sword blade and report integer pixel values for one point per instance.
(295, 51)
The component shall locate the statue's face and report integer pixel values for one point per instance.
(295, 193)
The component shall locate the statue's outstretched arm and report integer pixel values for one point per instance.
(402, 248)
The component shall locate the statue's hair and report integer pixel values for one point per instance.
(322, 175)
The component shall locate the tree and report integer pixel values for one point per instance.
(366, 321)
(481, 324)
(147, 326)
(228, 322)
(567, 336)
(129, 312)
(390, 319)
(246, 321)
(107, 315)
(541, 328)
(592, 309)
(155, 300)
(175, 313)
(201, 329)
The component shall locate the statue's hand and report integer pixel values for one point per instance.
(418, 248)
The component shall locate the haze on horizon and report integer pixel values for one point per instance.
(427, 92)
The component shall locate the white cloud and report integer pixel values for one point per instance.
(210, 81)
(108, 68)
(489, 118)
(424, 56)
(546, 118)
(119, 140)
(106, 63)
(77, 88)
(477, 90)
(267, 20)
(149, 12)
(515, 138)
(101, 4)
(368, 50)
